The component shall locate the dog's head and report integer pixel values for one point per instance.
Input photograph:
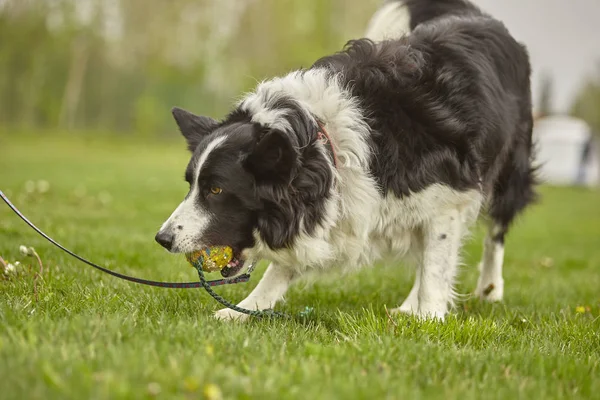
(245, 179)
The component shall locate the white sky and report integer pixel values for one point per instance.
(563, 38)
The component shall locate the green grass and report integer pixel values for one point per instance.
(92, 336)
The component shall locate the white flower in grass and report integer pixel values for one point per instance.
(10, 269)
(43, 186)
(30, 186)
(27, 251)
(24, 250)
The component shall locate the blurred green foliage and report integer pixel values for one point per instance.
(587, 102)
(120, 65)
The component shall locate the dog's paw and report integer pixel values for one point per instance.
(228, 314)
(409, 306)
(489, 290)
(492, 292)
(439, 316)
(424, 315)
(407, 309)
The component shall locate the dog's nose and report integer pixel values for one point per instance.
(165, 239)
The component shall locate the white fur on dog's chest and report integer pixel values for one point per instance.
(371, 228)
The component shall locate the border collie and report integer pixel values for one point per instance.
(385, 150)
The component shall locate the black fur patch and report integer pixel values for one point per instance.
(449, 104)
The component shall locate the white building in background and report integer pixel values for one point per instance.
(566, 151)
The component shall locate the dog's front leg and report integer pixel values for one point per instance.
(440, 264)
(270, 290)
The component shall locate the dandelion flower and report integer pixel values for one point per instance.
(212, 392)
(24, 250)
(10, 269)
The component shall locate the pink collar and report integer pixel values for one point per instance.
(325, 139)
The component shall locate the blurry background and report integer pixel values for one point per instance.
(89, 152)
(118, 66)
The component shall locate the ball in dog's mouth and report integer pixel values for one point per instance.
(233, 267)
(217, 258)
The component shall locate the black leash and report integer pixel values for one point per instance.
(253, 313)
(207, 285)
(173, 285)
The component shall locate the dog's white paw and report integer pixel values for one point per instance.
(431, 315)
(409, 309)
(409, 306)
(490, 290)
(402, 310)
(227, 314)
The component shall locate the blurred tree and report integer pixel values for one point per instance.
(587, 103)
(120, 65)
(545, 100)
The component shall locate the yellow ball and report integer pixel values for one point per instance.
(211, 259)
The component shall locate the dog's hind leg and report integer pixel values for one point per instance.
(271, 288)
(490, 285)
(512, 192)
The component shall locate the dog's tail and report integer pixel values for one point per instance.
(391, 21)
(396, 18)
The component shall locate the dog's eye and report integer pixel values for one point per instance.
(216, 190)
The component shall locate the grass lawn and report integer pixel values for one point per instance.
(91, 336)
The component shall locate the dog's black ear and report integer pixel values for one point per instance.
(278, 225)
(274, 157)
(193, 127)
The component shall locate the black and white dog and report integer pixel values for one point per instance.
(386, 150)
